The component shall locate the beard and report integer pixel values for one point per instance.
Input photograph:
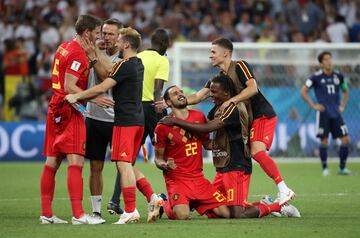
(181, 105)
(121, 54)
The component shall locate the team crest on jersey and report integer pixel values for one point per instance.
(75, 65)
(176, 196)
(336, 80)
(323, 81)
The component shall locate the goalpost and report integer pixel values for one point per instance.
(280, 69)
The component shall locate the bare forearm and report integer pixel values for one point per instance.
(198, 97)
(345, 98)
(91, 92)
(159, 84)
(159, 159)
(200, 128)
(103, 66)
(245, 94)
(72, 89)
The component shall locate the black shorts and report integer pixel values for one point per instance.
(151, 120)
(98, 137)
(326, 125)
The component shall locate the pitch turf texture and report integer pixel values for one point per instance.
(330, 206)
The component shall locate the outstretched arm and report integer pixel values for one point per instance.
(92, 92)
(194, 127)
(102, 63)
(198, 97)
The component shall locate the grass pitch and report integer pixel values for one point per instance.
(330, 206)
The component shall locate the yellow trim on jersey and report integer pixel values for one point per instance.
(246, 70)
(116, 67)
(62, 51)
(228, 111)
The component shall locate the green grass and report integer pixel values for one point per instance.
(330, 206)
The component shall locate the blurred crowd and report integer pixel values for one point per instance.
(30, 30)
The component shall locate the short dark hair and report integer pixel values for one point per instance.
(160, 38)
(132, 36)
(114, 21)
(86, 22)
(226, 84)
(166, 93)
(322, 54)
(224, 43)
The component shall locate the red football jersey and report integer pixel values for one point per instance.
(69, 58)
(185, 148)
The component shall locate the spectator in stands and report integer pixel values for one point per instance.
(355, 29)
(338, 31)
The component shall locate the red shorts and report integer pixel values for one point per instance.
(235, 185)
(263, 129)
(198, 193)
(65, 132)
(126, 142)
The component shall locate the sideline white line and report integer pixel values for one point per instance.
(254, 195)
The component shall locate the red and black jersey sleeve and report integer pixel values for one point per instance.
(120, 71)
(244, 72)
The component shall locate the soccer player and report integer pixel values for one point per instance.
(126, 81)
(65, 127)
(100, 121)
(262, 116)
(179, 154)
(327, 84)
(156, 73)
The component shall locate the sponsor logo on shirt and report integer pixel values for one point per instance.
(75, 65)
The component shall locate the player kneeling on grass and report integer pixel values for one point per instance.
(178, 154)
(230, 149)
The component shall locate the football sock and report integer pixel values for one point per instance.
(75, 189)
(268, 165)
(168, 210)
(266, 209)
(117, 190)
(47, 187)
(129, 194)
(283, 188)
(96, 203)
(343, 154)
(145, 188)
(323, 156)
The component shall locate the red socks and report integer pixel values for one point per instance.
(266, 209)
(269, 166)
(75, 189)
(47, 187)
(145, 188)
(168, 210)
(129, 194)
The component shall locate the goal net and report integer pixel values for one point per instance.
(281, 70)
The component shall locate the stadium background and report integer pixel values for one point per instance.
(279, 38)
(280, 43)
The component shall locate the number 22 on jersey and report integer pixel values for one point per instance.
(191, 149)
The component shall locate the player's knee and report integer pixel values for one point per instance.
(181, 214)
(96, 167)
(256, 147)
